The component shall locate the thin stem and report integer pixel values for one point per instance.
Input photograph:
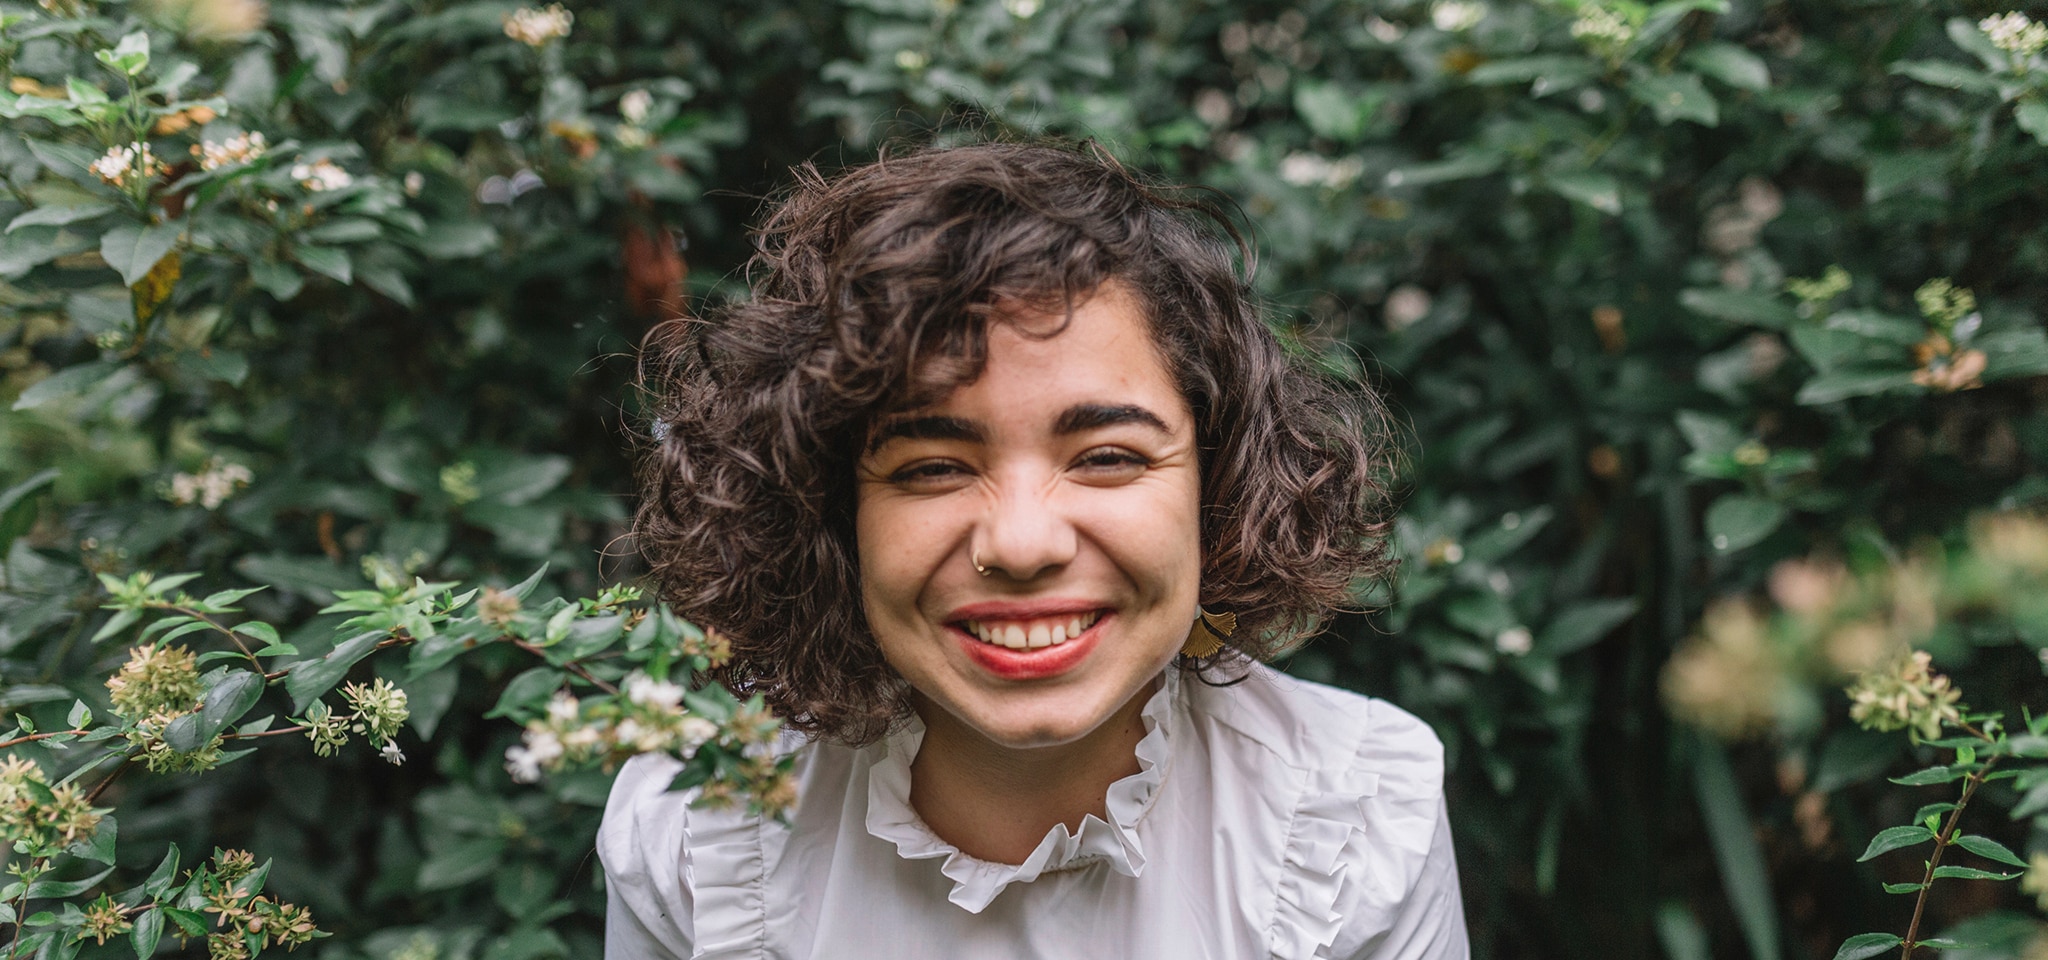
(101, 787)
(302, 728)
(33, 737)
(1941, 845)
(571, 667)
(231, 635)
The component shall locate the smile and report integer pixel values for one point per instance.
(1030, 634)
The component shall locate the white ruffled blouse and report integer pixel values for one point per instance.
(1274, 818)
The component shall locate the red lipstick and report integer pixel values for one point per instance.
(1022, 665)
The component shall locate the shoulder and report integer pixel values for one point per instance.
(642, 844)
(1367, 867)
(1321, 729)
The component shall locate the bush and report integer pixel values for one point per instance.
(1669, 294)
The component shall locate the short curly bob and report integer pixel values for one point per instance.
(872, 292)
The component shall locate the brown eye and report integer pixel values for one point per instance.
(1110, 464)
(925, 473)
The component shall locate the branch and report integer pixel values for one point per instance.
(571, 667)
(209, 621)
(33, 737)
(1941, 845)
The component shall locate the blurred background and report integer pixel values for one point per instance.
(1705, 322)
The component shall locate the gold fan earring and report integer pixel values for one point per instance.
(1205, 638)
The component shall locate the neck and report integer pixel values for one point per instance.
(995, 802)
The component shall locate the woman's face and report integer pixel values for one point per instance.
(1068, 471)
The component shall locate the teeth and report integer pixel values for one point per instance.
(1030, 635)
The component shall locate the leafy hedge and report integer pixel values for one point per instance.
(1668, 294)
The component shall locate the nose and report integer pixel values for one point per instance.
(1023, 534)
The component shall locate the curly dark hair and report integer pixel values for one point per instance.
(872, 293)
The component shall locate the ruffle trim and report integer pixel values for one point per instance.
(728, 856)
(976, 882)
(1317, 868)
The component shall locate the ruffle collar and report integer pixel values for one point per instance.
(977, 882)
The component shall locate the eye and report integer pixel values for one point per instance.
(1110, 464)
(929, 473)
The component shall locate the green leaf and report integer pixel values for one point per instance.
(228, 699)
(326, 261)
(1864, 945)
(1904, 887)
(57, 216)
(129, 57)
(1894, 838)
(1732, 65)
(2032, 116)
(1842, 384)
(68, 382)
(80, 716)
(120, 621)
(100, 846)
(1736, 851)
(1597, 190)
(192, 922)
(132, 250)
(1929, 776)
(309, 679)
(1971, 873)
(1989, 849)
(527, 692)
(1942, 73)
(1583, 624)
(1739, 521)
(523, 480)
(60, 889)
(165, 874)
(1333, 112)
(149, 929)
(18, 507)
(1674, 97)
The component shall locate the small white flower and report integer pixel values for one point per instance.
(696, 732)
(649, 692)
(1383, 30)
(1304, 169)
(1452, 16)
(911, 59)
(415, 181)
(543, 745)
(522, 764)
(120, 166)
(632, 138)
(240, 148)
(1515, 641)
(1022, 9)
(391, 754)
(321, 175)
(535, 27)
(211, 486)
(2014, 33)
(1601, 27)
(628, 732)
(563, 708)
(635, 104)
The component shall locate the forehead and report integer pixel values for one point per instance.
(1044, 370)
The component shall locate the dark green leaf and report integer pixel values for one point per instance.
(1971, 873)
(1894, 838)
(309, 679)
(1989, 849)
(1929, 776)
(528, 693)
(1865, 945)
(1739, 521)
(59, 889)
(149, 929)
(1741, 860)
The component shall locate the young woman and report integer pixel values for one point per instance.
(1002, 490)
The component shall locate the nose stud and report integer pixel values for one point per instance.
(975, 559)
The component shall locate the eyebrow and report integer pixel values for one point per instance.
(1075, 419)
(1090, 416)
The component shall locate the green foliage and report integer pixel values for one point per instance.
(1666, 295)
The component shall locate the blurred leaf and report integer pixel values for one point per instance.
(132, 250)
(1676, 96)
(1743, 875)
(1739, 521)
(1865, 945)
(1731, 65)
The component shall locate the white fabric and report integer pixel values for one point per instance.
(1276, 818)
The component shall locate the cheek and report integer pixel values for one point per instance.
(899, 550)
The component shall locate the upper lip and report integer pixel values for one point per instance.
(1023, 609)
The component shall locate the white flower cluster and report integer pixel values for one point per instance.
(649, 718)
(321, 175)
(1023, 9)
(2014, 33)
(211, 486)
(535, 27)
(1603, 28)
(1308, 170)
(238, 149)
(121, 166)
